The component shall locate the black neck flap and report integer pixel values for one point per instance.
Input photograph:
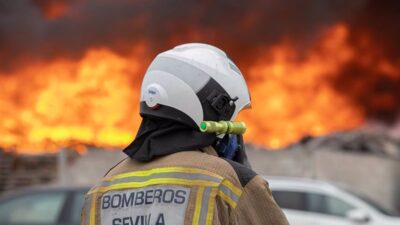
(158, 137)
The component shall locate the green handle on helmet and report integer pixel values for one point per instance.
(223, 127)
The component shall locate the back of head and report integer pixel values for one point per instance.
(192, 83)
(182, 87)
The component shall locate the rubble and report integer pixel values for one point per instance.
(17, 171)
(354, 141)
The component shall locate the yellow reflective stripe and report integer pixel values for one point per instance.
(227, 199)
(92, 217)
(173, 181)
(211, 204)
(230, 193)
(196, 214)
(144, 173)
(232, 187)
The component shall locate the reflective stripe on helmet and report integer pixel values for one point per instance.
(176, 76)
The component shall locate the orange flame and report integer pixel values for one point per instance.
(53, 9)
(293, 98)
(94, 100)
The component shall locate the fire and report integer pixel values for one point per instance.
(63, 102)
(94, 100)
(294, 97)
(52, 9)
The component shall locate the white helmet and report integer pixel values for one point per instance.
(192, 83)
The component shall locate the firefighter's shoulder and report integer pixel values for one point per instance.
(244, 173)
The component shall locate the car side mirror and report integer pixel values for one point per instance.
(358, 216)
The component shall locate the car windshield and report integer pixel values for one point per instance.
(34, 208)
(78, 199)
(374, 204)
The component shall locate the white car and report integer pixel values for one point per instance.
(311, 202)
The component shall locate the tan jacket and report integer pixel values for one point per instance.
(183, 188)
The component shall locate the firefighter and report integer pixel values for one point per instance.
(175, 174)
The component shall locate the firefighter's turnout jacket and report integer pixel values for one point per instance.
(191, 187)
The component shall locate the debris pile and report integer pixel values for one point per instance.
(355, 141)
(17, 171)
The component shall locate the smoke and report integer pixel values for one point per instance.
(32, 30)
(379, 19)
(239, 26)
